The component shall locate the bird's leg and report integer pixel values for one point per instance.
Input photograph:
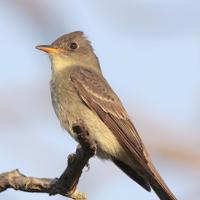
(71, 158)
(83, 136)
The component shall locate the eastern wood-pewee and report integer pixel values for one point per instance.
(80, 93)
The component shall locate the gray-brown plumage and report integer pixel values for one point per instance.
(80, 92)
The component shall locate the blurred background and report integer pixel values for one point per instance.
(149, 51)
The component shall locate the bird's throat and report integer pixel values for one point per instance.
(59, 63)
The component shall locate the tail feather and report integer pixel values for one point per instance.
(153, 180)
(162, 193)
(133, 174)
(159, 186)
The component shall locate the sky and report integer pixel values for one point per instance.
(149, 53)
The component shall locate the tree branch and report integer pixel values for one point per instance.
(67, 183)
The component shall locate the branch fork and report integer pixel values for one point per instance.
(66, 184)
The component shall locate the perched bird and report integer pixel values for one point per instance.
(80, 92)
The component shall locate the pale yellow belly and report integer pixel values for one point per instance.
(108, 145)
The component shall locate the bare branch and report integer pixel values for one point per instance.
(66, 184)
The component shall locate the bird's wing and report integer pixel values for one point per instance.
(98, 96)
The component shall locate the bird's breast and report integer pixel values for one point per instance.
(65, 101)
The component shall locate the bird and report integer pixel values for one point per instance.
(79, 92)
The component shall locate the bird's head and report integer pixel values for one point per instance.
(70, 50)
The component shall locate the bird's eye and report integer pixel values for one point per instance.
(73, 45)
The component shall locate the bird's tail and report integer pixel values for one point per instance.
(159, 186)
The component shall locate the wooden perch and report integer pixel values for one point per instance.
(66, 184)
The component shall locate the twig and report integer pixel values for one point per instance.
(66, 184)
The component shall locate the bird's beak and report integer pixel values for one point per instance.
(47, 48)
